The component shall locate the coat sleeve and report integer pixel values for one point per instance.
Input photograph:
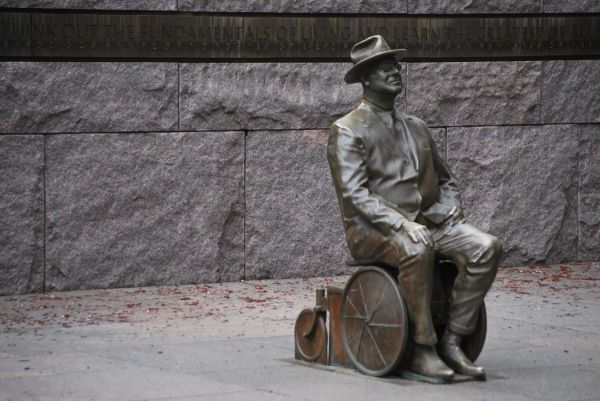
(449, 195)
(346, 155)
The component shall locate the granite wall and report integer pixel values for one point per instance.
(122, 174)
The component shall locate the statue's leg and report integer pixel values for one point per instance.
(415, 278)
(415, 266)
(415, 263)
(476, 255)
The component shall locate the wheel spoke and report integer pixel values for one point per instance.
(360, 340)
(363, 297)
(377, 347)
(352, 305)
(388, 325)
(351, 339)
(377, 304)
(355, 317)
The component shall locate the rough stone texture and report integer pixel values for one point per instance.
(475, 93)
(589, 192)
(571, 6)
(87, 97)
(94, 4)
(520, 184)
(293, 222)
(571, 91)
(294, 6)
(473, 6)
(144, 209)
(22, 217)
(439, 137)
(264, 95)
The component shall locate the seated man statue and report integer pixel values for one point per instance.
(401, 207)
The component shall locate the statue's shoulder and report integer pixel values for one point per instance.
(347, 130)
(351, 121)
(412, 120)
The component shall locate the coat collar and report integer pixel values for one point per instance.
(383, 118)
(395, 111)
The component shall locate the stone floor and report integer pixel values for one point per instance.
(233, 342)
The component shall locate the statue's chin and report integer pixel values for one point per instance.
(397, 90)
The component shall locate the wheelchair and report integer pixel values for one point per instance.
(365, 325)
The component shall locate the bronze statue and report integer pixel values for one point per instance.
(401, 207)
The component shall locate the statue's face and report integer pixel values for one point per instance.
(385, 77)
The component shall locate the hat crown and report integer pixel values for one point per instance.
(368, 51)
(369, 47)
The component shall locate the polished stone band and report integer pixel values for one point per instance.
(30, 35)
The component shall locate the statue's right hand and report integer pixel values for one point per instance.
(417, 233)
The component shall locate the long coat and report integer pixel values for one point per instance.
(386, 171)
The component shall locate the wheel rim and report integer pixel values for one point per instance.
(310, 335)
(374, 324)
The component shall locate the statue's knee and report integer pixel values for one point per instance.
(416, 267)
(495, 247)
(420, 252)
(491, 252)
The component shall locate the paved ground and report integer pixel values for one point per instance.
(233, 342)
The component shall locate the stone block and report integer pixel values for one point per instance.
(571, 91)
(294, 6)
(520, 184)
(144, 209)
(293, 222)
(589, 192)
(473, 6)
(475, 93)
(571, 6)
(87, 97)
(168, 5)
(257, 96)
(22, 217)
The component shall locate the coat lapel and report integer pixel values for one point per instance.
(408, 138)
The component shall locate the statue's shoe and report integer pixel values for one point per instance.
(458, 361)
(426, 362)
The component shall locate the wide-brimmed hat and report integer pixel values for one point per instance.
(365, 52)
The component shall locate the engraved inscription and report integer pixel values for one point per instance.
(15, 34)
(205, 37)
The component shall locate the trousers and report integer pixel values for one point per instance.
(475, 253)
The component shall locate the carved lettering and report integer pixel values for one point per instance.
(188, 36)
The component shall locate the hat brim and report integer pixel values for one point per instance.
(354, 74)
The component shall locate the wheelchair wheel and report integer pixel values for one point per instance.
(310, 335)
(373, 321)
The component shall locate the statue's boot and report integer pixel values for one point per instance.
(449, 350)
(426, 362)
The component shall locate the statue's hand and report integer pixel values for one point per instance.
(455, 216)
(417, 233)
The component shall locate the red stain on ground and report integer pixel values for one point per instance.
(253, 299)
(557, 278)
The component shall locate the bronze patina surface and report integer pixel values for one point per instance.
(101, 35)
(401, 208)
(373, 322)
